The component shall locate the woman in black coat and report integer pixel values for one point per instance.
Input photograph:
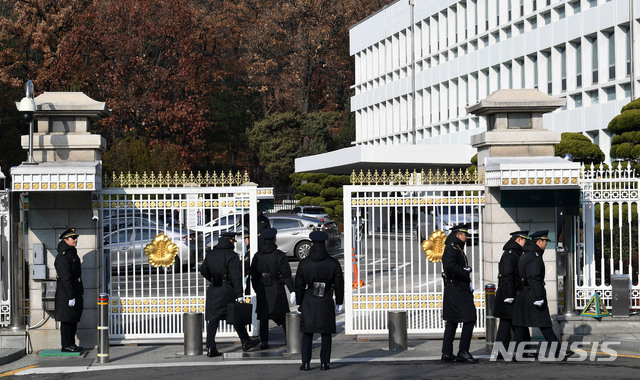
(69, 290)
(221, 267)
(457, 304)
(270, 272)
(508, 284)
(317, 277)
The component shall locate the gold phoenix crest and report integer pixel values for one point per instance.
(434, 247)
(161, 251)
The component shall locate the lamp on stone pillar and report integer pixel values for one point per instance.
(27, 108)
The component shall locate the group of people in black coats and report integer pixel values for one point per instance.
(318, 278)
(521, 298)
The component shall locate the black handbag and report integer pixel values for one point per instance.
(239, 313)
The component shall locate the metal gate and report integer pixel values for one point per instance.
(153, 241)
(607, 234)
(387, 218)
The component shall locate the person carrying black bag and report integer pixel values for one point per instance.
(457, 303)
(270, 272)
(221, 267)
(317, 277)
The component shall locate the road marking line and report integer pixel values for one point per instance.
(609, 354)
(15, 371)
(401, 266)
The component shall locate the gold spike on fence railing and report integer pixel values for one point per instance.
(461, 176)
(176, 179)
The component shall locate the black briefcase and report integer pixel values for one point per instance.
(239, 313)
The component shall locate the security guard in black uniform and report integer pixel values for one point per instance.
(530, 307)
(270, 272)
(317, 277)
(221, 267)
(509, 282)
(457, 304)
(70, 291)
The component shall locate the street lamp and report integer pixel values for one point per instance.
(27, 108)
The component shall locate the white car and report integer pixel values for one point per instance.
(221, 224)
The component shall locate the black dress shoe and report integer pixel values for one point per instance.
(448, 358)
(71, 349)
(213, 353)
(250, 344)
(465, 357)
(324, 367)
(305, 367)
(264, 346)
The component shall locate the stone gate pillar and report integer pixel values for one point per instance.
(525, 184)
(56, 193)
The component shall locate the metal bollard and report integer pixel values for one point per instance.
(192, 323)
(294, 336)
(397, 325)
(490, 300)
(103, 328)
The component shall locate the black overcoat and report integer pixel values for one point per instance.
(69, 284)
(531, 267)
(272, 302)
(457, 304)
(508, 279)
(319, 313)
(221, 262)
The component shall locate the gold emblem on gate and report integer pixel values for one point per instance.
(434, 247)
(161, 251)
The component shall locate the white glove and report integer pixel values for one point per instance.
(508, 300)
(339, 308)
(292, 298)
(72, 302)
(539, 303)
(240, 299)
(468, 269)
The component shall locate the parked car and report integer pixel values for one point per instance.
(126, 247)
(311, 212)
(129, 218)
(294, 230)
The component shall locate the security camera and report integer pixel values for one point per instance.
(95, 217)
(27, 105)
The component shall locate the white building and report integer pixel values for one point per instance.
(419, 63)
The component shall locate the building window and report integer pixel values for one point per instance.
(594, 59)
(578, 47)
(577, 100)
(519, 120)
(612, 54)
(593, 96)
(547, 56)
(627, 38)
(611, 93)
(533, 23)
(546, 17)
(592, 3)
(563, 68)
(575, 6)
(561, 13)
(520, 27)
(626, 87)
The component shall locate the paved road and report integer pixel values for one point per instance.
(622, 368)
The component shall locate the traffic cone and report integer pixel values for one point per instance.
(355, 283)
